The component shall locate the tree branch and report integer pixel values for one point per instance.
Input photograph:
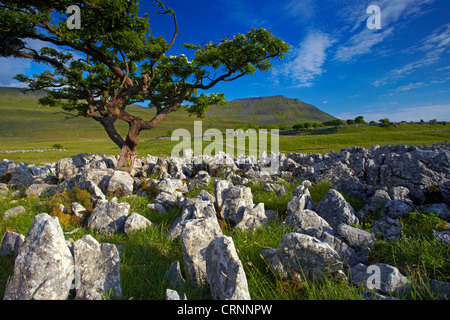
(169, 11)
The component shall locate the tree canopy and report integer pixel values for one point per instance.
(113, 61)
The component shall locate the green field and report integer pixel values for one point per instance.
(313, 142)
(24, 125)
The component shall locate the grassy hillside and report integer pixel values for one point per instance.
(23, 118)
(272, 110)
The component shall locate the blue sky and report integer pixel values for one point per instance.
(401, 71)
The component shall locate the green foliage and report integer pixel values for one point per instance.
(271, 200)
(319, 190)
(336, 122)
(360, 120)
(246, 126)
(416, 252)
(384, 121)
(123, 63)
(298, 126)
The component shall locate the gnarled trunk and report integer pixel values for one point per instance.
(128, 146)
(128, 151)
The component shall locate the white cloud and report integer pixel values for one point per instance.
(361, 43)
(304, 9)
(366, 40)
(440, 38)
(407, 87)
(9, 67)
(435, 45)
(440, 112)
(354, 13)
(305, 62)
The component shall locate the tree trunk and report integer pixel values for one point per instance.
(108, 125)
(128, 147)
(128, 152)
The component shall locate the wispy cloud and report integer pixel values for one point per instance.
(9, 67)
(360, 44)
(427, 112)
(435, 46)
(305, 62)
(241, 13)
(440, 38)
(365, 41)
(303, 10)
(404, 88)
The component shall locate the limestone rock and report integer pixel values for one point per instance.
(300, 200)
(136, 222)
(195, 237)
(42, 189)
(120, 183)
(11, 243)
(173, 295)
(219, 187)
(68, 167)
(195, 208)
(78, 210)
(396, 208)
(225, 272)
(335, 210)
(275, 188)
(302, 256)
(175, 276)
(108, 217)
(381, 277)
(43, 269)
(98, 268)
(389, 229)
(356, 238)
(441, 210)
(348, 255)
(201, 179)
(443, 236)
(13, 212)
(305, 219)
(157, 207)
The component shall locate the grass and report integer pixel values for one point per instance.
(416, 252)
(148, 254)
(315, 142)
(277, 203)
(24, 125)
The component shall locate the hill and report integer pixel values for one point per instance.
(23, 118)
(273, 110)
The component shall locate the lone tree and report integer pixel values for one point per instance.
(113, 61)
